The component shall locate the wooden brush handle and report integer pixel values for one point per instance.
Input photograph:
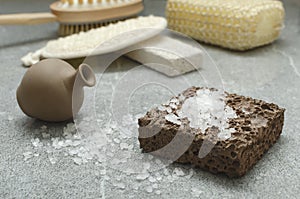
(27, 18)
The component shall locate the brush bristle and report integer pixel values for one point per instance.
(69, 29)
(94, 2)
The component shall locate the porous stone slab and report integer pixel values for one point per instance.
(229, 142)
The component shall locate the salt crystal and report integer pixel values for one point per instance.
(44, 127)
(36, 155)
(157, 192)
(178, 172)
(120, 185)
(73, 152)
(116, 140)
(142, 176)
(224, 134)
(146, 166)
(158, 161)
(103, 172)
(166, 172)
(169, 110)
(149, 189)
(152, 179)
(259, 121)
(110, 154)
(77, 136)
(45, 135)
(245, 111)
(150, 157)
(179, 113)
(173, 119)
(52, 160)
(161, 108)
(36, 143)
(10, 118)
(118, 178)
(76, 143)
(173, 106)
(68, 143)
(130, 147)
(196, 192)
(135, 186)
(181, 97)
(77, 161)
(27, 155)
(191, 173)
(123, 146)
(155, 186)
(174, 100)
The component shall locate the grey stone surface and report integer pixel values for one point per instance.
(271, 73)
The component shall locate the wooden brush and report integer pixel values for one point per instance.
(79, 15)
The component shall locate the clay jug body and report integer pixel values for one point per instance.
(47, 90)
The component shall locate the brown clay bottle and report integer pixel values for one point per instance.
(52, 90)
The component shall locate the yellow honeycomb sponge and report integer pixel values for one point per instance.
(234, 24)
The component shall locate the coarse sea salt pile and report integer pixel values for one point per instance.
(81, 150)
(204, 110)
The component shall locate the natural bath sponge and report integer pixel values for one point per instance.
(212, 129)
(234, 24)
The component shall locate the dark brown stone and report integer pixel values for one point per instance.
(233, 156)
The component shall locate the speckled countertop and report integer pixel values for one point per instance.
(37, 161)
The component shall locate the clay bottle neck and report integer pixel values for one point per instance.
(85, 76)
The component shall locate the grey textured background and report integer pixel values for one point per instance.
(270, 73)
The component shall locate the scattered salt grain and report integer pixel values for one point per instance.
(135, 186)
(162, 108)
(52, 159)
(173, 119)
(166, 172)
(116, 140)
(174, 100)
(157, 192)
(45, 135)
(27, 155)
(196, 192)
(149, 189)
(123, 146)
(158, 161)
(142, 176)
(173, 106)
(77, 161)
(10, 118)
(155, 186)
(120, 185)
(181, 97)
(169, 110)
(130, 147)
(103, 172)
(36, 143)
(44, 127)
(146, 166)
(151, 179)
(259, 121)
(178, 172)
(75, 143)
(191, 173)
